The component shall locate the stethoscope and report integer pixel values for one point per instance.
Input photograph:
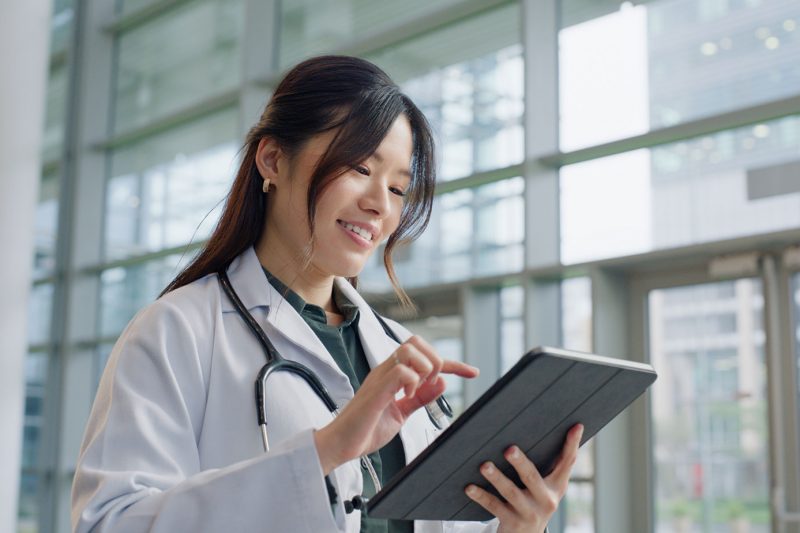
(437, 411)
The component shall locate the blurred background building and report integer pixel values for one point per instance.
(614, 177)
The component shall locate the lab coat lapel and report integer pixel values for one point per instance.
(253, 288)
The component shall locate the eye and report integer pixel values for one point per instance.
(361, 170)
(398, 192)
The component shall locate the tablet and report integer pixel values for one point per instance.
(533, 406)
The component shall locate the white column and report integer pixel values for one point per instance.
(24, 60)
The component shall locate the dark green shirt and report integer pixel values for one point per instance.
(344, 345)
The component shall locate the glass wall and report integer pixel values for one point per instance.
(659, 197)
(178, 91)
(182, 58)
(709, 407)
(629, 69)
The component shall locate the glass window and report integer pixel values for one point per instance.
(46, 226)
(189, 54)
(126, 290)
(126, 7)
(163, 189)
(627, 69)
(731, 184)
(468, 80)
(35, 388)
(55, 113)
(709, 411)
(512, 329)
(576, 334)
(472, 232)
(311, 27)
(61, 25)
(796, 312)
(576, 314)
(40, 310)
(444, 333)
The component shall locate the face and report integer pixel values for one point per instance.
(354, 213)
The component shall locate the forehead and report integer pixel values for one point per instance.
(395, 150)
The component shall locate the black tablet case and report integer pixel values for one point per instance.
(533, 406)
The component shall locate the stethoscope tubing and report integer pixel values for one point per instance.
(276, 363)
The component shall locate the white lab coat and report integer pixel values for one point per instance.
(172, 443)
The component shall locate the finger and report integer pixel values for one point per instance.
(559, 477)
(459, 369)
(489, 501)
(430, 352)
(426, 393)
(507, 489)
(409, 355)
(527, 472)
(406, 379)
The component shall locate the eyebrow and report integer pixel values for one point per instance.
(379, 157)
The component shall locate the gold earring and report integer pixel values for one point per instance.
(265, 186)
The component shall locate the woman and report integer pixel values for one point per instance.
(340, 161)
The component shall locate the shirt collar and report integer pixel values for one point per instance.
(314, 312)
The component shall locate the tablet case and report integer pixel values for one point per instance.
(533, 406)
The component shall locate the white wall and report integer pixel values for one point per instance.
(24, 58)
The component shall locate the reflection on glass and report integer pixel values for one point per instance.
(468, 80)
(162, 188)
(189, 54)
(730, 184)
(625, 70)
(46, 226)
(444, 334)
(124, 291)
(709, 408)
(512, 332)
(472, 232)
(35, 381)
(40, 309)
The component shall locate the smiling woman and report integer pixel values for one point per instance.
(339, 162)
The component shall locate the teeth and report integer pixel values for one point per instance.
(358, 231)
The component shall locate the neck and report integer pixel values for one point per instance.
(309, 283)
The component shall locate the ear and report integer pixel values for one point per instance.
(268, 159)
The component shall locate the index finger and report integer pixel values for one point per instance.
(459, 369)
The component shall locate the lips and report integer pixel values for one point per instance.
(358, 230)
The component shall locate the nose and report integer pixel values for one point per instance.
(375, 197)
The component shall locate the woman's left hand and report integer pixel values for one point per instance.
(527, 510)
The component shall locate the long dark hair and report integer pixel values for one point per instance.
(318, 95)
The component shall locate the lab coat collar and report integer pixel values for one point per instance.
(247, 277)
(253, 288)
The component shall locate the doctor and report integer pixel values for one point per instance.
(339, 162)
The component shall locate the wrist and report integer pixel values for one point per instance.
(328, 458)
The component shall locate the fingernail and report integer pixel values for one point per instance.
(514, 452)
(488, 467)
(471, 490)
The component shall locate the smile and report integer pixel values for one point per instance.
(361, 232)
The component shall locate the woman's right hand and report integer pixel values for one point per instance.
(374, 416)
